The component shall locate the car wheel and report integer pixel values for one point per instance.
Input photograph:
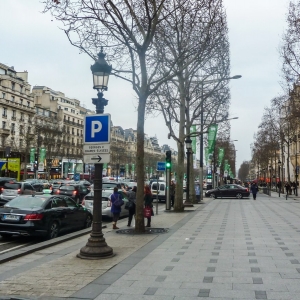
(239, 196)
(88, 221)
(6, 236)
(53, 230)
(212, 196)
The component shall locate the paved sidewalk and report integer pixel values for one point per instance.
(224, 249)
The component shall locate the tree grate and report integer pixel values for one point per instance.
(147, 231)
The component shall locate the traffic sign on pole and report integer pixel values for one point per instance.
(96, 129)
(96, 149)
(161, 166)
(96, 158)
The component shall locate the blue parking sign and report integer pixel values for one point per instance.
(96, 129)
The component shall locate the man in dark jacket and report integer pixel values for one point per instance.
(254, 190)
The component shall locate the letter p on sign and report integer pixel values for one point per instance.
(96, 127)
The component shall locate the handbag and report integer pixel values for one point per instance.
(129, 204)
(147, 212)
(118, 202)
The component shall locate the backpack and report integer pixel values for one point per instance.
(118, 202)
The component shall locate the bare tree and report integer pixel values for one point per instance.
(200, 26)
(128, 30)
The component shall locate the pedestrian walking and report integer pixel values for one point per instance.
(198, 191)
(131, 196)
(172, 192)
(287, 189)
(148, 203)
(293, 187)
(279, 186)
(115, 210)
(254, 190)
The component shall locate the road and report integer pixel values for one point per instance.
(17, 242)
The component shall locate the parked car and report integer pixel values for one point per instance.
(88, 202)
(42, 215)
(75, 191)
(158, 191)
(3, 180)
(37, 184)
(228, 190)
(55, 185)
(13, 189)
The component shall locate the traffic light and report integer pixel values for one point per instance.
(168, 159)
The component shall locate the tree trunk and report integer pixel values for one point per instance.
(139, 216)
(192, 180)
(178, 205)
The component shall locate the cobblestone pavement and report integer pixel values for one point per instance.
(226, 249)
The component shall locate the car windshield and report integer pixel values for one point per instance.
(12, 185)
(26, 202)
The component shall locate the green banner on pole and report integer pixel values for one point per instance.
(193, 138)
(212, 134)
(42, 155)
(132, 167)
(127, 168)
(32, 154)
(206, 155)
(221, 156)
(104, 166)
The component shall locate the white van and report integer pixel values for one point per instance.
(161, 190)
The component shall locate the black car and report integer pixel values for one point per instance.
(75, 191)
(228, 190)
(42, 215)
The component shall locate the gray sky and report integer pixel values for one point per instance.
(31, 41)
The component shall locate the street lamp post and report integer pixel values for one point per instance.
(96, 247)
(270, 170)
(280, 183)
(188, 143)
(296, 170)
(201, 128)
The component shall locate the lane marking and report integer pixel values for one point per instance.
(16, 247)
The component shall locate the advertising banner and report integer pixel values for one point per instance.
(32, 154)
(221, 156)
(14, 167)
(212, 134)
(193, 138)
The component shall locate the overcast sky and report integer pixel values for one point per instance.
(32, 41)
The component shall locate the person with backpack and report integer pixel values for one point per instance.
(148, 203)
(116, 203)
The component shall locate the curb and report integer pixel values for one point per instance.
(10, 255)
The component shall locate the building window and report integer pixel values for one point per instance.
(28, 103)
(21, 143)
(66, 108)
(21, 101)
(21, 89)
(22, 117)
(14, 115)
(12, 127)
(13, 86)
(21, 129)
(73, 111)
(12, 98)
(3, 125)
(3, 95)
(4, 114)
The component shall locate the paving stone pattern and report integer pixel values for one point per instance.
(258, 257)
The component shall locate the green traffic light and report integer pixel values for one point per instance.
(168, 165)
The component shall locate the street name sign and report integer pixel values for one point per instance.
(96, 158)
(161, 166)
(96, 149)
(96, 129)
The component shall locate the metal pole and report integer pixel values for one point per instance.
(168, 181)
(96, 246)
(201, 147)
(157, 194)
(279, 188)
(188, 177)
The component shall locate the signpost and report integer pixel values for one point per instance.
(96, 148)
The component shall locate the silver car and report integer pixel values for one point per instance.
(12, 189)
(88, 202)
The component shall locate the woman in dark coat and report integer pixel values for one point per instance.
(148, 202)
(115, 210)
(132, 199)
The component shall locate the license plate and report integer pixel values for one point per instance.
(11, 217)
